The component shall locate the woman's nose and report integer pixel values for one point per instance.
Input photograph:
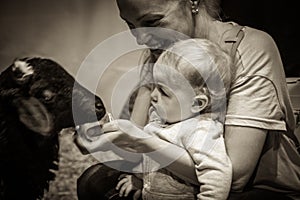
(154, 95)
(141, 35)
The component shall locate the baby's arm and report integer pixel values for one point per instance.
(213, 166)
(214, 173)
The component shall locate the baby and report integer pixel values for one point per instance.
(188, 107)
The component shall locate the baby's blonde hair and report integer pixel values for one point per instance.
(205, 66)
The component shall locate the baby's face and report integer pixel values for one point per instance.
(173, 96)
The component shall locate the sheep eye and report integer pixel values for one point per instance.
(48, 95)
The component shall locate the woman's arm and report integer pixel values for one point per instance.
(140, 110)
(244, 146)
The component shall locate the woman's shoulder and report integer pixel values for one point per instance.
(255, 48)
(248, 39)
(257, 39)
(251, 36)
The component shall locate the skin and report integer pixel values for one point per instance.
(129, 183)
(244, 144)
(156, 14)
(173, 98)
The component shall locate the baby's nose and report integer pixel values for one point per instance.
(154, 95)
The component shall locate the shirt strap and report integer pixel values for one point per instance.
(231, 39)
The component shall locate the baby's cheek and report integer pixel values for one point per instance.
(174, 114)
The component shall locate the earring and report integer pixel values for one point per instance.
(194, 6)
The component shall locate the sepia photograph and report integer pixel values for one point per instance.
(149, 100)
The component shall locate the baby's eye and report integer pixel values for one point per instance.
(163, 91)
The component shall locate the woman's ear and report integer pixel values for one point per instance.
(200, 102)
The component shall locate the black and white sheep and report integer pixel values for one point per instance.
(37, 97)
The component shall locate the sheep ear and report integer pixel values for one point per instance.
(34, 115)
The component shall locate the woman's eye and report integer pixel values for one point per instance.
(152, 22)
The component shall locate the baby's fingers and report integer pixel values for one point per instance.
(125, 189)
(123, 176)
(137, 195)
(123, 180)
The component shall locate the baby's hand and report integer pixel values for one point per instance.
(129, 183)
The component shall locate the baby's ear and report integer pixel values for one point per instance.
(200, 102)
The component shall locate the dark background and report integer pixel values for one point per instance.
(278, 18)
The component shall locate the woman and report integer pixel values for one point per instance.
(259, 122)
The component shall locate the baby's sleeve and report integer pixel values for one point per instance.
(212, 165)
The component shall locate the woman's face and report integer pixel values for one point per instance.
(142, 16)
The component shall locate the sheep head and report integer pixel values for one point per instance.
(43, 95)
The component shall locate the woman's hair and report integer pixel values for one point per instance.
(205, 66)
(207, 9)
(212, 7)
